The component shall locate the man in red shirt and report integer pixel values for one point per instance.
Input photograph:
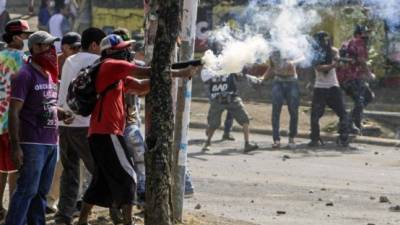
(114, 178)
(353, 76)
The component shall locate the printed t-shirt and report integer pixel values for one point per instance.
(108, 116)
(10, 63)
(352, 71)
(38, 116)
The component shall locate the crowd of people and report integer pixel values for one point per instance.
(37, 122)
(102, 156)
(337, 71)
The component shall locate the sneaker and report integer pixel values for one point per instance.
(228, 137)
(355, 130)
(189, 192)
(116, 215)
(315, 143)
(250, 147)
(276, 144)
(206, 147)
(343, 141)
(292, 144)
(50, 210)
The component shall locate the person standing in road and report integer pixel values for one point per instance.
(327, 90)
(285, 87)
(11, 60)
(73, 137)
(224, 96)
(354, 76)
(33, 119)
(114, 179)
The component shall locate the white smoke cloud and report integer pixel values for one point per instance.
(388, 10)
(239, 49)
(285, 29)
(284, 25)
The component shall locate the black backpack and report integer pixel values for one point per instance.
(82, 96)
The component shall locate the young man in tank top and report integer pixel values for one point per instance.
(327, 90)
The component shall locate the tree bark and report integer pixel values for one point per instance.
(158, 158)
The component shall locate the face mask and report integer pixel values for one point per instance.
(47, 60)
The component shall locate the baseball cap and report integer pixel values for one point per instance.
(17, 26)
(41, 37)
(359, 28)
(72, 38)
(114, 42)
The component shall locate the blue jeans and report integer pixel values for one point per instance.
(136, 147)
(28, 203)
(285, 91)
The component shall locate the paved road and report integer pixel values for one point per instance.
(253, 187)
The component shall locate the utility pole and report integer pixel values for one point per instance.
(158, 158)
(182, 113)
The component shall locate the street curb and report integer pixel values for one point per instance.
(325, 136)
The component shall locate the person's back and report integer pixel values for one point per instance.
(55, 28)
(44, 16)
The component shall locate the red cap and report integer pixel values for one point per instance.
(18, 26)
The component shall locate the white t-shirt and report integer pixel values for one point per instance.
(326, 80)
(55, 29)
(70, 70)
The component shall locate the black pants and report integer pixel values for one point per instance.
(333, 98)
(362, 95)
(114, 179)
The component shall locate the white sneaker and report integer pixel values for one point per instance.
(292, 144)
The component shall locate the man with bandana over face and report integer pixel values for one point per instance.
(33, 120)
(327, 90)
(114, 179)
(354, 76)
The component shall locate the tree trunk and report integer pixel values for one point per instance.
(159, 136)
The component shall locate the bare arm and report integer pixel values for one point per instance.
(13, 124)
(141, 72)
(268, 74)
(66, 116)
(328, 67)
(136, 86)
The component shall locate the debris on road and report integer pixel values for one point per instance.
(198, 206)
(280, 212)
(384, 199)
(329, 204)
(395, 208)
